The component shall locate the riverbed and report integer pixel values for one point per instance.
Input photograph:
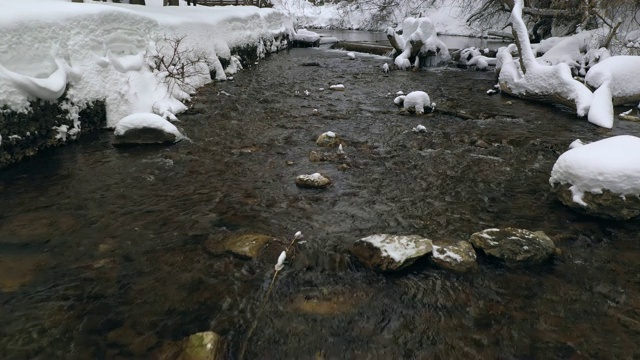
(105, 252)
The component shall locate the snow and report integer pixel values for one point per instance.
(338, 87)
(622, 73)
(146, 120)
(539, 79)
(447, 16)
(414, 31)
(305, 35)
(110, 52)
(612, 164)
(415, 100)
(398, 248)
(445, 255)
(351, 55)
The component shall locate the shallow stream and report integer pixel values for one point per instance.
(103, 251)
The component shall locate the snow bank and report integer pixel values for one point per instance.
(111, 52)
(448, 17)
(611, 164)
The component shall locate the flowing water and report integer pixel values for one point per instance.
(104, 252)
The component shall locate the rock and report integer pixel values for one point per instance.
(327, 139)
(203, 346)
(246, 246)
(16, 270)
(459, 256)
(517, 247)
(145, 128)
(338, 87)
(386, 252)
(328, 301)
(200, 346)
(481, 144)
(316, 156)
(601, 178)
(314, 181)
(606, 205)
(36, 227)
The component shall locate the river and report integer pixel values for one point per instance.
(105, 252)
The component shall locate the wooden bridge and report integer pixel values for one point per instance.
(258, 3)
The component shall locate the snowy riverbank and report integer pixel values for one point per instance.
(134, 58)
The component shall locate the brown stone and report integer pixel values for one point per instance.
(244, 245)
(458, 256)
(18, 270)
(377, 251)
(607, 205)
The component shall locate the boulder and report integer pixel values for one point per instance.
(327, 139)
(145, 128)
(517, 247)
(313, 181)
(459, 256)
(601, 178)
(607, 205)
(384, 252)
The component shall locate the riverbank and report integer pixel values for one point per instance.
(120, 58)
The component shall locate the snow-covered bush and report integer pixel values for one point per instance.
(180, 67)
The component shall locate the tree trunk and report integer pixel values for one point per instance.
(78, 1)
(137, 2)
(171, 3)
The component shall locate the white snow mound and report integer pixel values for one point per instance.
(146, 120)
(612, 164)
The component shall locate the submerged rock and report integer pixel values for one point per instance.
(244, 245)
(17, 270)
(314, 181)
(385, 252)
(517, 247)
(459, 256)
(200, 346)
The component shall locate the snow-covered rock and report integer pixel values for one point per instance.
(385, 252)
(314, 181)
(304, 37)
(351, 55)
(601, 178)
(327, 139)
(414, 101)
(145, 128)
(459, 256)
(337, 87)
(385, 68)
(517, 247)
(419, 129)
(419, 38)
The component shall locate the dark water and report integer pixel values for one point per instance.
(103, 251)
(452, 42)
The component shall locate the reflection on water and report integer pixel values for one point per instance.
(452, 42)
(111, 253)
